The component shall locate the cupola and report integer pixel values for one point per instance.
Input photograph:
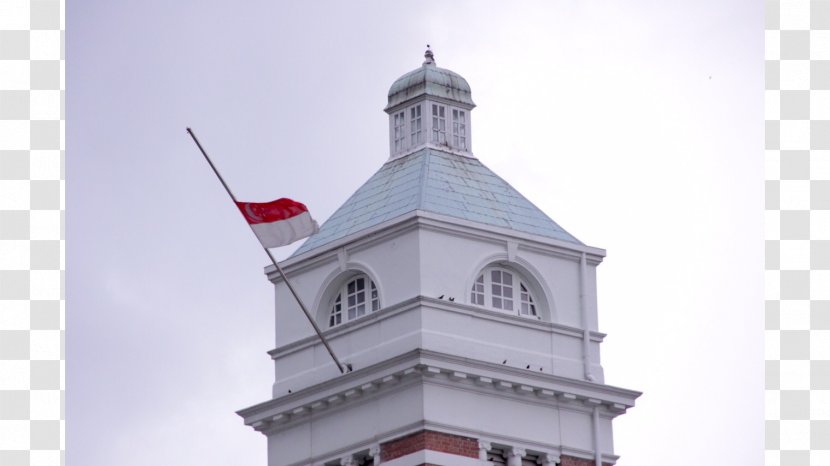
(429, 107)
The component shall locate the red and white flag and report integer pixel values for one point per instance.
(279, 222)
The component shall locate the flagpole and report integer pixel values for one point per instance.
(273, 260)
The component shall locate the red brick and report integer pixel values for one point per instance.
(566, 460)
(429, 440)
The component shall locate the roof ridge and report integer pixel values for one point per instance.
(424, 176)
(531, 203)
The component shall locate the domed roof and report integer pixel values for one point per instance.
(430, 80)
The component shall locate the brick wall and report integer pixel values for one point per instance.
(453, 444)
(429, 440)
(566, 460)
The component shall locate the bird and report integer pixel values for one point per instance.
(441, 297)
(452, 299)
(528, 366)
(289, 390)
(540, 369)
(504, 362)
(349, 366)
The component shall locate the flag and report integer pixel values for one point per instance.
(279, 222)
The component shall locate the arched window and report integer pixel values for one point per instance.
(505, 290)
(356, 298)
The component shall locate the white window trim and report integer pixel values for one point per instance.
(435, 123)
(518, 282)
(399, 131)
(459, 129)
(371, 301)
(417, 137)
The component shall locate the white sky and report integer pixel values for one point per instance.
(636, 125)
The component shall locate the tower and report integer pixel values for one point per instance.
(468, 315)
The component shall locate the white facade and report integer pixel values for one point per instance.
(512, 361)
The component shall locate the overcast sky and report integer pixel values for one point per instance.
(635, 125)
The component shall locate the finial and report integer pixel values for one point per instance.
(430, 60)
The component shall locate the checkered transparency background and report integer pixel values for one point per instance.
(797, 232)
(797, 221)
(31, 232)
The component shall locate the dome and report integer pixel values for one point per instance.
(432, 81)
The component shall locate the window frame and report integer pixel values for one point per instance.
(459, 129)
(399, 131)
(416, 125)
(342, 309)
(517, 289)
(439, 124)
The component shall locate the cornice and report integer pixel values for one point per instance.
(437, 304)
(422, 366)
(444, 224)
(430, 97)
(543, 244)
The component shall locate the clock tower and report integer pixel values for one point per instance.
(468, 316)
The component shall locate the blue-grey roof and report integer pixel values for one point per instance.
(438, 182)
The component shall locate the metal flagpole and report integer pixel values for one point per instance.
(273, 260)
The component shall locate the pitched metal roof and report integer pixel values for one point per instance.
(435, 181)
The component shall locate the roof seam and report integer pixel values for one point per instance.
(422, 182)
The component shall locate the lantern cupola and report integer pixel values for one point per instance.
(429, 107)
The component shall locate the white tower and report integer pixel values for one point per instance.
(468, 315)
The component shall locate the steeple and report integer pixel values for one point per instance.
(429, 107)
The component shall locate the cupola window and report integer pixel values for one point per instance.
(417, 136)
(400, 134)
(355, 298)
(505, 290)
(439, 124)
(459, 129)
